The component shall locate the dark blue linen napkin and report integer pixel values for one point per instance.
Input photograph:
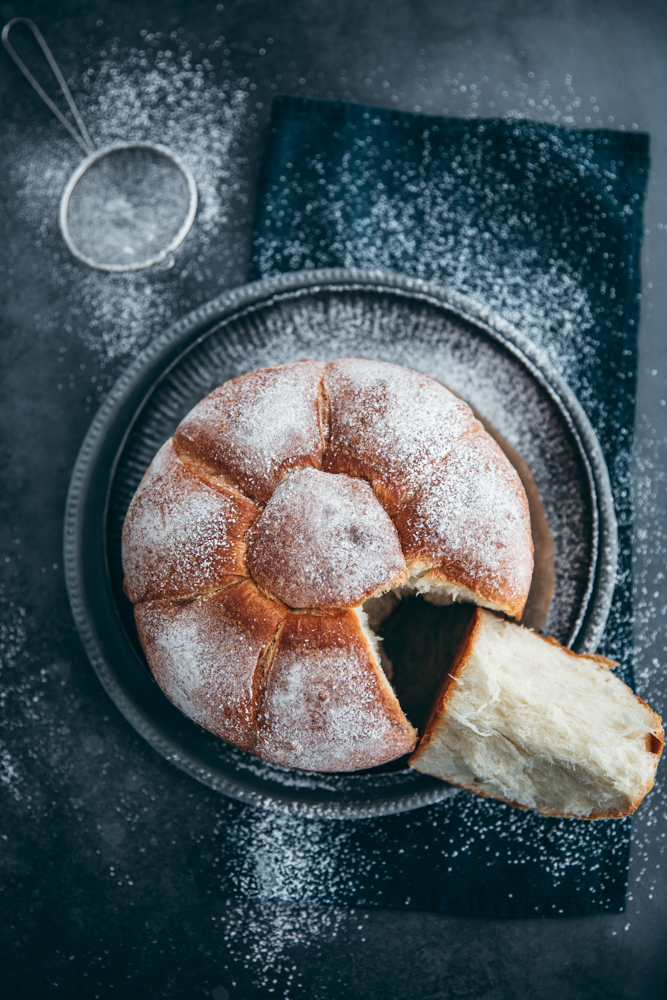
(544, 224)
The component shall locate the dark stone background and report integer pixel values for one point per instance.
(109, 856)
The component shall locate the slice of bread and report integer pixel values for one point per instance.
(522, 719)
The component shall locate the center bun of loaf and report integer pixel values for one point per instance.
(324, 541)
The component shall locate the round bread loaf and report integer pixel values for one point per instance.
(285, 500)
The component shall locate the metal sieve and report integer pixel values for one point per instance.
(125, 207)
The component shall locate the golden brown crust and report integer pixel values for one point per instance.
(599, 814)
(602, 661)
(469, 518)
(543, 580)
(204, 654)
(182, 536)
(324, 541)
(326, 705)
(388, 424)
(257, 427)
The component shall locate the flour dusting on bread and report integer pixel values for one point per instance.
(314, 482)
(327, 705)
(183, 537)
(257, 427)
(324, 541)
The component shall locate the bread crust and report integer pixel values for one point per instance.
(326, 704)
(438, 715)
(183, 536)
(469, 520)
(206, 655)
(424, 452)
(324, 541)
(602, 661)
(383, 434)
(543, 580)
(257, 427)
(389, 425)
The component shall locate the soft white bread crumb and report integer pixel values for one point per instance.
(375, 642)
(522, 719)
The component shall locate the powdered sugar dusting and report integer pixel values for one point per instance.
(324, 540)
(389, 424)
(181, 537)
(258, 426)
(327, 707)
(550, 308)
(440, 208)
(9, 775)
(470, 516)
(650, 481)
(263, 934)
(13, 635)
(282, 863)
(204, 655)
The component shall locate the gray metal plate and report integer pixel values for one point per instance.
(324, 315)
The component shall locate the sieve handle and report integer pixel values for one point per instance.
(81, 136)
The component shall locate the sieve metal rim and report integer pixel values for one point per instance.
(166, 250)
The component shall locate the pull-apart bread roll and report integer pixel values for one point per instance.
(522, 719)
(285, 500)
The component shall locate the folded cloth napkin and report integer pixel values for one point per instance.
(543, 224)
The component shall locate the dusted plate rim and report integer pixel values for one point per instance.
(97, 618)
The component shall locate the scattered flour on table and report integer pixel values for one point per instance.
(13, 636)
(264, 935)
(9, 776)
(649, 831)
(285, 863)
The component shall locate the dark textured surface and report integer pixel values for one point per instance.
(110, 856)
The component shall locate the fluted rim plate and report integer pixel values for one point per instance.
(97, 606)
